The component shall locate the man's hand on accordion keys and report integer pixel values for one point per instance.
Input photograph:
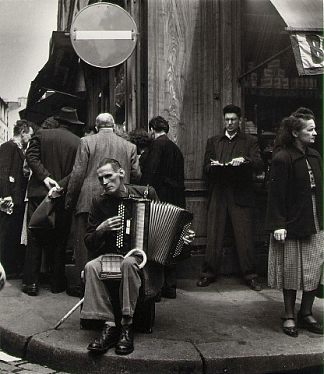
(189, 237)
(111, 224)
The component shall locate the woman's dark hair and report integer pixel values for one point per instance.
(306, 112)
(140, 138)
(159, 124)
(21, 126)
(289, 124)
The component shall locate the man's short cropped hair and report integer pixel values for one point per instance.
(21, 126)
(159, 124)
(105, 120)
(114, 163)
(232, 109)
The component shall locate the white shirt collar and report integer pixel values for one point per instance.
(107, 129)
(230, 137)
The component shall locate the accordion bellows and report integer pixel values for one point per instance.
(155, 227)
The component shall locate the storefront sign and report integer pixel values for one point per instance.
(309, 53)
(103, 35)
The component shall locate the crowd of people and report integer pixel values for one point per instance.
(93, 173)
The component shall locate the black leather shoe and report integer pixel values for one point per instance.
(58, 288)
(169, 292)
(24, 288)
(108, 339)
(30, 289)
(204, 281)
(125, 343)
(157, 298)
(254, 284)
(289, 330)
(303, 323)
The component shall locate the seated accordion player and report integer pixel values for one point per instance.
(156, 228)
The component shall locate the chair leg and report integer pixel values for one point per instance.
(144, 316)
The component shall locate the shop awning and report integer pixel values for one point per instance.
(60, 71)
(50, 106)
(304, 20)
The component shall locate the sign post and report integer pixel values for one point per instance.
(103, 35)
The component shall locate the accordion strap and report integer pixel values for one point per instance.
(140, 252)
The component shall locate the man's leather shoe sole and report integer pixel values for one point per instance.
(125, 344)
(31, 290)
(99, 349)
(108, 339)
(124, 351)
(169, 293)
(204, 282)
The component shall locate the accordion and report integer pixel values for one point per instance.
(157, 228)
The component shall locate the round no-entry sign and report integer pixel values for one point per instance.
(103, 35)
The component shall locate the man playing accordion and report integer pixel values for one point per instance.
(101, 301)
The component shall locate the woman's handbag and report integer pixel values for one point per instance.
(110, 264)
(320, 287)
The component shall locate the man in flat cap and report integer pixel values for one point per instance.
(50, 156)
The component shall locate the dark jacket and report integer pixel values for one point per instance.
(240, 178)
(105, 206)
(290, 195)
(51, 153)
(163, 168)
(12, 180)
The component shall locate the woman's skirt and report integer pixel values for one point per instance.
(297, 264)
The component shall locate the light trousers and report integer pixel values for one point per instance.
(110, 299)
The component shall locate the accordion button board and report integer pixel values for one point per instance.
(155, 227)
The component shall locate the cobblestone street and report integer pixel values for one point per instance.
(22, 366)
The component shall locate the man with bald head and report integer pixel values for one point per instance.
(84, 184)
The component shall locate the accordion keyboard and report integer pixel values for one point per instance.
(120, 233)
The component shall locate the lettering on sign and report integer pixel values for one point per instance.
(316, 46)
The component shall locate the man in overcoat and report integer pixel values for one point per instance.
(230, 161)
(50, 156)
(163, 169)
(84, 183)
(13, 183)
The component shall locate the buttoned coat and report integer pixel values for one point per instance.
(51, 153)
(163, 169)
(239, 177)
(290, 196)
(84, 183)
(12, 180)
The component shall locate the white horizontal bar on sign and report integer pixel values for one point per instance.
(104, 35)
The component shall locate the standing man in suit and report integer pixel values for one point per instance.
(50, 156)
(84, 183)
(163, 169)
(230, 160)
(13, 183)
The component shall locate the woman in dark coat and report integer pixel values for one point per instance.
(294, 216)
